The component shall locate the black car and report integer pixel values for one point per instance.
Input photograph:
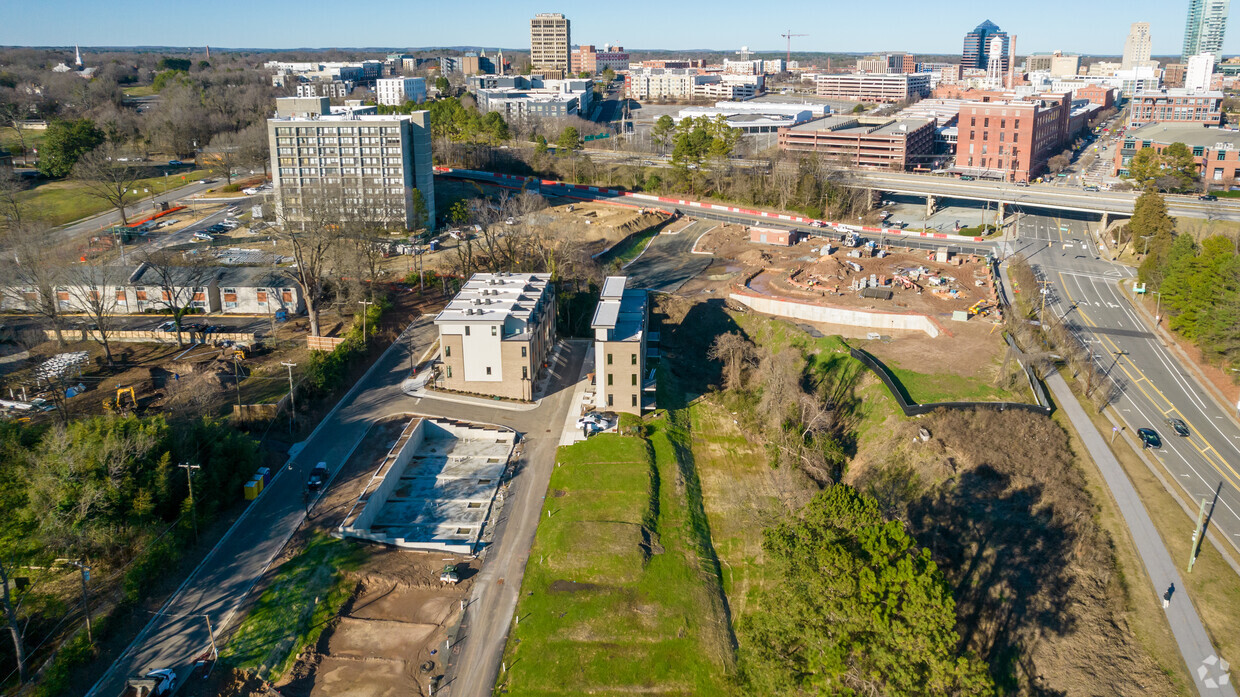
(1149, 438)
(1178, 425)
(1207, 197)
(317, 477)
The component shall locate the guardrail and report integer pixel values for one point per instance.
(911, 408)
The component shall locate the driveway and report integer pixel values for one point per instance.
(669, 262)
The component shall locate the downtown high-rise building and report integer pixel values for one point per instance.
(1207, 22)
(1137, 47)
(550, 40)
(978, 45)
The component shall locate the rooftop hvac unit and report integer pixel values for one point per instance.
(488, 301)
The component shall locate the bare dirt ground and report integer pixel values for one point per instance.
(808, 272)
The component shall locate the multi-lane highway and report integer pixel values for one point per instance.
(1085, 291)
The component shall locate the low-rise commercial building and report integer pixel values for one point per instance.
(517, 97)
(865, 141)
(496, 334)
(588, 59)
(750, 117)
(875, 87)
(620, 346)
(1216, 150)
(398, 90)
(1176, 105)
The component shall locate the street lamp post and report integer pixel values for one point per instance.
(365, 306)
(292, 403)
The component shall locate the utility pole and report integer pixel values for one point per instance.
(237, 381)
(193, 507)
(81, 565)
(365, 306)
(292, 402)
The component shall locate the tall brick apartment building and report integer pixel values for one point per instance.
(1002, 136)
(495, 335)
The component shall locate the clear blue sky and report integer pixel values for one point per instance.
(1089, 27)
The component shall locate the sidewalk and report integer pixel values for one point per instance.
(1209, 673)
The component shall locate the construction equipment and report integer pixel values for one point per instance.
(852, 239)
(979, 307)
(788, 35)
(118, 404)
(906, 282)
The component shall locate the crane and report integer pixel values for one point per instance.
(789, 36)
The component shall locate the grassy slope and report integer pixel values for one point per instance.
(60, 202)
(633, 622)
(307, 592)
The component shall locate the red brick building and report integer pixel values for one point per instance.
(1216, 150)
(1097, 94)
(1011, 138)
(1175, 106)
(775, 236)
(865, 141)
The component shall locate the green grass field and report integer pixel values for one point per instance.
(61, 202)
(306, 593)
(628, 248)
(615, 598)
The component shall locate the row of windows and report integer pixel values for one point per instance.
(632, 357)
(633, 381)
(611, 400)
(335, 130)
(986, 122)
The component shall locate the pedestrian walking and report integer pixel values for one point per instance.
(1167, 595)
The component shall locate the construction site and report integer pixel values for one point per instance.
(854, 274)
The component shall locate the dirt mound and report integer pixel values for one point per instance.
(1001, 502)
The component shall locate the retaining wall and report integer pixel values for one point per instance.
(150, 337)
(911, 408)
(837, 315)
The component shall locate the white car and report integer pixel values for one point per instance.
(593, 421)
(203, 236)
(510, 221)
(231, 224)
(156, 683)
(249, 191)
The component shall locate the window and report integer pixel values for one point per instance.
(609, 359)
(609, 379)
(633, 397)
(634, 376)
(986, 123)
(447, 351)
(494, 330)
(466, 331)
(1222, 155)
(523, 351)
(634, 359)
(525, 372)
(488, 370)
(1198, 151)
(611, 400)
(449, 371)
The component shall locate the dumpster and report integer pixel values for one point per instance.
(251, 489)
(265, 473)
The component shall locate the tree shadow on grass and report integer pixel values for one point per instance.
(685, 344)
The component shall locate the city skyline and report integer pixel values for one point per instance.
(1097, 29)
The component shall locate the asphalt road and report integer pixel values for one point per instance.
(1152, 383)
(667, 264)
(178, 634)
(220, 584)
(92, 225)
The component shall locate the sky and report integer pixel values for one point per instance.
(1097, 27)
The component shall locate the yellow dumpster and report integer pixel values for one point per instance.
(252, 489)
(258, 482)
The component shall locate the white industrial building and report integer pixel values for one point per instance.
(756, 117)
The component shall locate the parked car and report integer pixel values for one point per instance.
(1022, 183)
(1089, 187)
(966, 178)
(1207, 197)
(212, 329)
(318, 476)
(175, 163)
(1178, 425)
(230, 224)
(1149, 438)
(203, 236)
(167, 327)
(156, 683)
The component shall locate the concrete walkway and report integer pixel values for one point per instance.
(1210, 673)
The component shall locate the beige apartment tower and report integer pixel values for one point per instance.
(620, 340)
(550, 40)
(1137, 47)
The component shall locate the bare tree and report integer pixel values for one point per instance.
(105, 178)
(94, 289)
(735, 352)
(253, 148)
(312, 225)
(225, 154)
(10, 616)
(34, 279)
(178, 282)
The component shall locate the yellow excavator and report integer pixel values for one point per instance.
(119, 404)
